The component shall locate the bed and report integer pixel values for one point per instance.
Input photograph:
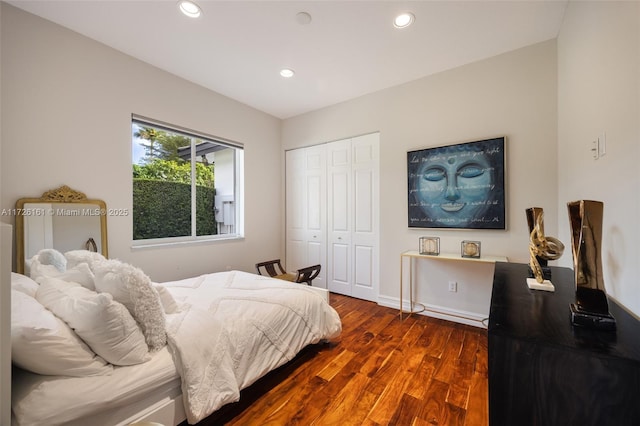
(220, 333)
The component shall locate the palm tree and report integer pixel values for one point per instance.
(152, 135)
(169, 144)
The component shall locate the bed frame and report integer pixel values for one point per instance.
(167, 410)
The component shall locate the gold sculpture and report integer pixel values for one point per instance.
(541, 248)
(591, 307)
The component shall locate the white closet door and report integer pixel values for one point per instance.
(332, 199)
(306, 193)
(316, 216)
(295, 208)
(365, 234)
(339, 202)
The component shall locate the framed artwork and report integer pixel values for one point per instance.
(457, 186)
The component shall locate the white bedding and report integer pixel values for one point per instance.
(233, 328)
(238, 327)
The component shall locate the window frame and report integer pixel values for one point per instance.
(238, 182)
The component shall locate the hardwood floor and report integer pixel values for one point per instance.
(381, 371)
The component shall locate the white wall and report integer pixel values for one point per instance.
(66, 112)
(513, 94)
(599, 91)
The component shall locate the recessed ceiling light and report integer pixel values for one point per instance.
(287, 73)
(404, 20)
(189, 8)
(303, 18)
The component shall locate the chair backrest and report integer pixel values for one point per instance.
(306, 275)
(270, 268)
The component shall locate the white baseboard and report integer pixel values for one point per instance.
(435, 311)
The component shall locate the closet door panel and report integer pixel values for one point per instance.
(296, 252)
(295, 207)
(340, 154)
(363, 207)
(296, 210)
(339, 212)
(295, 190)
(316, 219)
(316, 256)
(364, 151)
(363, 268)
(315, 227)
(339, 266)
(306, 193)
(314, 203)
(364, 235)
(339, 193)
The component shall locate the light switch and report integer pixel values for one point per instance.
(602, 144)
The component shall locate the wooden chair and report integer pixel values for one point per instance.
(273, 268)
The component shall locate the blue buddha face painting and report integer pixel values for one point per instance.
(457, 186)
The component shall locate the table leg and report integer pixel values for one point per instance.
(401, 284)
(411, 284)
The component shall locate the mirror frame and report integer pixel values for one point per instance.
(64, 194)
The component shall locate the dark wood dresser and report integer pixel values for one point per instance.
(544, 371)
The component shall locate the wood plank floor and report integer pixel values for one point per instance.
(381, 371)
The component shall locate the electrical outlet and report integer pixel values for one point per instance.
(453, 286)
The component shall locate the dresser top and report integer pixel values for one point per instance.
(544, 317)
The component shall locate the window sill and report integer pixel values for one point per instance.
(184, 243)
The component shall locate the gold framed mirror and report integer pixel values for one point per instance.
(63, 219)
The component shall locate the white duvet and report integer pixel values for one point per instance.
(234, 327)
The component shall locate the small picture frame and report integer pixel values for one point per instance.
(430, 245)
(470, 249)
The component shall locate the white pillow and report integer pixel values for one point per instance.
(131, 287)
(24, 284)
(38, 270)
(81, 274)
(169, 304)
(104, 324)
(47, 262)
(75, 257)
(44, 344)
(52, 257)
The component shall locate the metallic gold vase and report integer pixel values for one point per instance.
(591, 308)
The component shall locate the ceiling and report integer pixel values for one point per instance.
(350, 48)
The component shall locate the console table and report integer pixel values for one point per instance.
(545, 371)
(413, 254)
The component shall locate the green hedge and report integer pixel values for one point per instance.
(162, 209)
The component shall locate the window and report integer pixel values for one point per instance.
(186, 185)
